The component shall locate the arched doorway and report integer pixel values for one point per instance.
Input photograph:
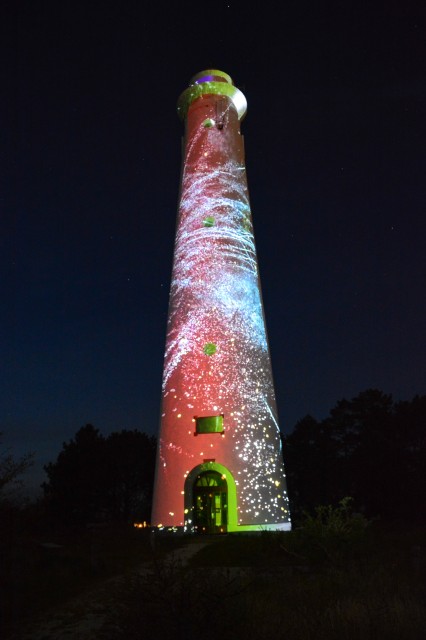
(230, 522)
(210, 502)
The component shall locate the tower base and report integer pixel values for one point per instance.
(247, 528)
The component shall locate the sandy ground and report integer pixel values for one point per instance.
(83, 618)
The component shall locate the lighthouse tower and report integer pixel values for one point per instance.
(219, 462)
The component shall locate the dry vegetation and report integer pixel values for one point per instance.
(324, 581)
(336, 577)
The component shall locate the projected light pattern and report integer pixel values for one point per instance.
(217, 359)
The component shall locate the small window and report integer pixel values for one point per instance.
(209, 424)
(209, 348)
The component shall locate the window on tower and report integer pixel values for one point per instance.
(209, 424)
(210, 348)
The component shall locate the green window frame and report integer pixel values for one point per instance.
(209, 424)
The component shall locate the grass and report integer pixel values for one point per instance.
(256, 587)
(333, 579)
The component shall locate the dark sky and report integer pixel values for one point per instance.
(90, 167)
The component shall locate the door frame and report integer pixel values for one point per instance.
(189, 494)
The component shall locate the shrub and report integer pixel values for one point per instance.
(332, 533)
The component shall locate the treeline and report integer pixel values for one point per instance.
(101, 478)
(369, 448)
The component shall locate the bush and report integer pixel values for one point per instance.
(331, 534)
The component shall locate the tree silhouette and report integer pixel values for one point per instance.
(130, 466)
(359, 428)
(11, 469)
(408, 465)
(310, 459)
(101, 478)
(369, 448)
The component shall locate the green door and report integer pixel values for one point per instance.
(210, 503)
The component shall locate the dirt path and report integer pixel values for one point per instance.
(83, 617)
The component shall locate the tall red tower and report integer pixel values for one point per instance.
(219, 462)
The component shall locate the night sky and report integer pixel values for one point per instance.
(90, 169)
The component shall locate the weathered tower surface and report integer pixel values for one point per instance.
(219, 461)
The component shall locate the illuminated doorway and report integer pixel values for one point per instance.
(210, 496)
